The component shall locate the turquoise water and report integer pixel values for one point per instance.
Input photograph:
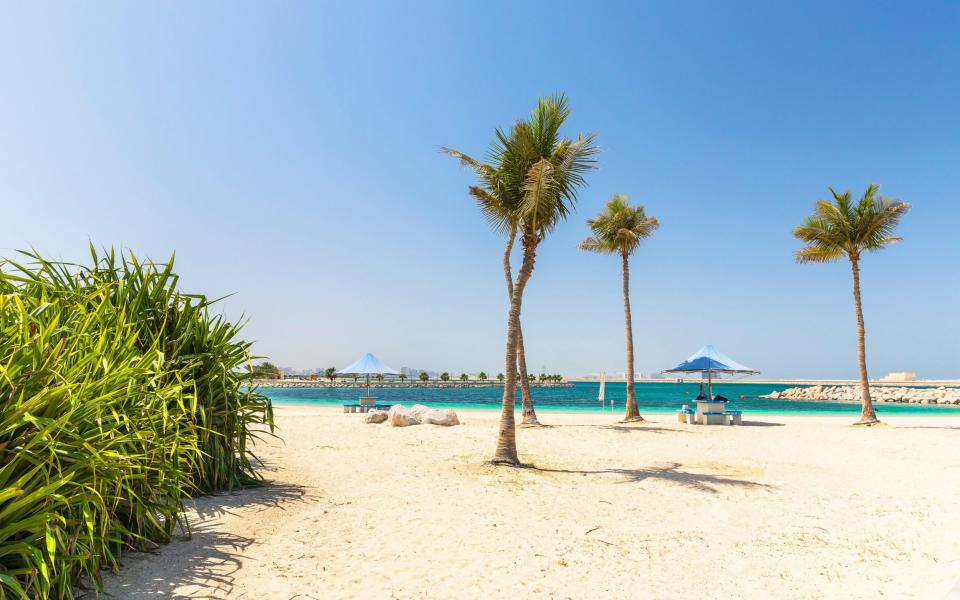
(651, 397)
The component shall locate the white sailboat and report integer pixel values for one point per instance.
(603, 385)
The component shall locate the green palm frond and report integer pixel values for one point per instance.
(844, 228)
(492, 209)
(619, 228)
(533, 175)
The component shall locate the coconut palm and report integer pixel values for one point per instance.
(482, 376)
(424, 377)
(444, 376)
(330, 373)
(842, 229)
(500, 377)
(402, 377)
(531, 186)
(498, 202)
(464, 377)
(620, 229)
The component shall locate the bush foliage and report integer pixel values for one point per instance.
(119, 397)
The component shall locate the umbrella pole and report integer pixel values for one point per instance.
(709, 384)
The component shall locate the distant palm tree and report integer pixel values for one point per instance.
(620, 229)
(444, 376)
(464, 377)
(841, 229)
(500, 377)
(379, 377)
(330, 373)
(424, 377)
(402, 377)
(482, 376)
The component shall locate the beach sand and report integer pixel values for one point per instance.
(785, 507)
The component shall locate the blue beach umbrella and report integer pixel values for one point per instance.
(368, 365)
(709, 360)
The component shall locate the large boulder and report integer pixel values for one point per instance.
(446, 417)
(401, 416)
(375, 416)
(419, 410)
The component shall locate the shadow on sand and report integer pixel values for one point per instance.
(671, 472)
(200, 565)
(639, 427)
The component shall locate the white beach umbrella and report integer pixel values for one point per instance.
(368, 365)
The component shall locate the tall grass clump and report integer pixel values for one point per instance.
(119, 397)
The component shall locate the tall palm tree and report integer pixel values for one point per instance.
(530, 186)
(841, 229)
(620, 229)
(498, 202)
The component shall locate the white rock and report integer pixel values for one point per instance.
(445, 417)
(401, 416)
(419, 410)
(375, 416)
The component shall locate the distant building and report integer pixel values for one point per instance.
(900, 376)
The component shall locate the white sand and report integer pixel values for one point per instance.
(801, 507)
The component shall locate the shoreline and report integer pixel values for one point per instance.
(307, 383)
(950, 409)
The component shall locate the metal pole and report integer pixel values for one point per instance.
(709, 385)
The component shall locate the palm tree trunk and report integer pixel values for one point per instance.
(529, 414)
(506, 452)
(633, 414)
(868, 416)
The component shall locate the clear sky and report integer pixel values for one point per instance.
(288, 152)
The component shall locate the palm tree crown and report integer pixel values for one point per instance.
(841, 228)
(619, 229)
(533, 174)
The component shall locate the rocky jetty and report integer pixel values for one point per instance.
(879, 393)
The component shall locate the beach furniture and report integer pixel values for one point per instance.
(367, 365)
(713, 418)
(363, 408)
(708, 361)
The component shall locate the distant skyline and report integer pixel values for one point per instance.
(289, 155)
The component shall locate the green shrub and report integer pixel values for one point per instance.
(119, 397)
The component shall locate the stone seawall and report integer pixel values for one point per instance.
(851, 393)
(303, 383)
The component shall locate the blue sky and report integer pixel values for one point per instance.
(288, 153)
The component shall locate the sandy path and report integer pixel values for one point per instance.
(793, 507)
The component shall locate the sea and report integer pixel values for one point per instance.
(657, 397)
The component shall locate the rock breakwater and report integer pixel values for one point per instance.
(851, 393)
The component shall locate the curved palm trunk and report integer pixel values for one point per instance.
(529, 414)
(868, 416)
(633, 414)
(506, 451)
